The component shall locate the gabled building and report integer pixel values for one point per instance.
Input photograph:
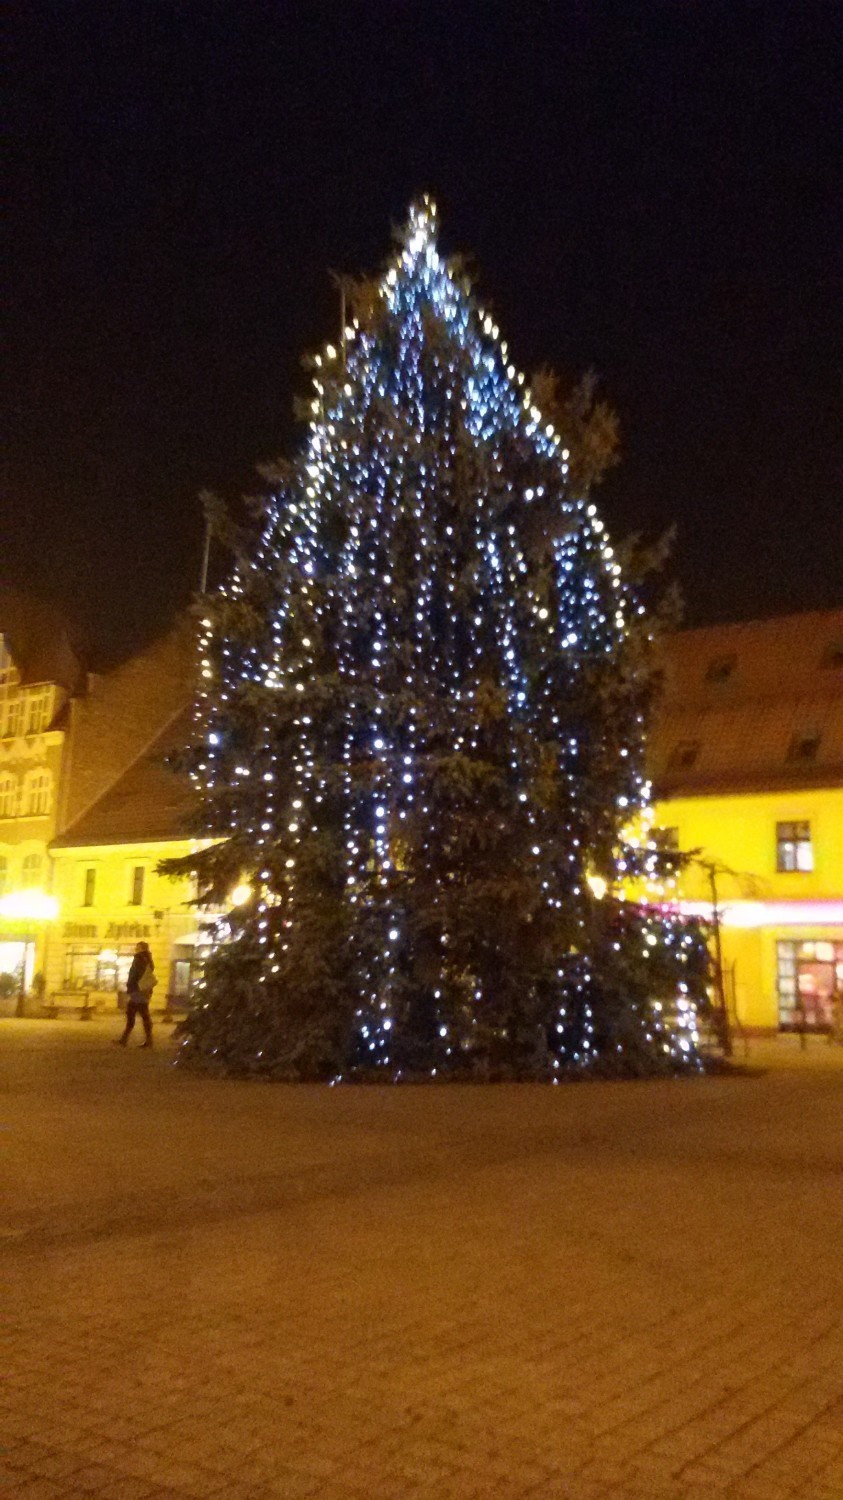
(40, 676)
(746, 758)
(108, 889)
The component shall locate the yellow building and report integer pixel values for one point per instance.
(747, 764)
(39, 674)
(110, 894)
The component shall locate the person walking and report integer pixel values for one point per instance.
(139, 986)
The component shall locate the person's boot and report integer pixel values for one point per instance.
(120, 1041)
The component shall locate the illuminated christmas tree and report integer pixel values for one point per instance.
(420, 736)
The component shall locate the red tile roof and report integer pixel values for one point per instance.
(748, 697)
(148, 803)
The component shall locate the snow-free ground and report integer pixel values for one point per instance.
(246, 1290)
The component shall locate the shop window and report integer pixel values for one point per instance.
(90, 891)
(36, 794)
(31, 870)
(137, 885)
(38, 716)
(721, 668)
(15, 718)
(4, 874)
(96, 968)
(794, 850)
(8, 796)
(803, 749)
(684, 755)
(807, 973)
(185, 971)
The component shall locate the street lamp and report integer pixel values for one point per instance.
(31, 908)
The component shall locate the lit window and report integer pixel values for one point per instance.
(31, 871)
(39, 713)
(794, 850)
(8, 796)
(36, 800)
(90, 886)
(721, 668)
(803, 748)
(684, 755)
(138, 878)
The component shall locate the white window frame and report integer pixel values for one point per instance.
(38, 711)
(37, 793)
(36, 862)
(9, 793)
(15, 721)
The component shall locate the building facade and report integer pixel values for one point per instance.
(747, 763)
(123, 812)
(746, 760)
(39, 677)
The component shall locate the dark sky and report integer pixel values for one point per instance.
(651, 190)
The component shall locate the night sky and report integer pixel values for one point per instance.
(654, 191)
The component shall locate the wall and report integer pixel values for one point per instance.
(112, 923)
(739, 832)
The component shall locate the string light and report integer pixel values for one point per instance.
(430, 653)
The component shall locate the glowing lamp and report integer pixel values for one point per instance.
(598, 886)
(29, 906)
(240, 895)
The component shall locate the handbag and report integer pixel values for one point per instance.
(147, 981)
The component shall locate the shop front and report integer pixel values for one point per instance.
(808, 972)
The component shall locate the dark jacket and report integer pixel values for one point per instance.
(140, 963)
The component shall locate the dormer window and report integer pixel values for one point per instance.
(803, 749)
(684, 755)
(721, 668)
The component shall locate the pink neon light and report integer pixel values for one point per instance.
(766, 913)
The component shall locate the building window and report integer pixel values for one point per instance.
(138, 880)
(721, 668)
(794, 850)
(104, 969)
(667, 838)
(39, 712)
(31, 871)
(36, 797)
(90, 886)
(15, 717)
(8, 796)
(4, 874)
(807, 974)
(803, 748)
(684, 755)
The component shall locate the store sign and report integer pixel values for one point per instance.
(118, 930)
(80, 930)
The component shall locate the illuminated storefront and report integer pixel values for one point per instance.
(747, 756)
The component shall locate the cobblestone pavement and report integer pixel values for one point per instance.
(246, 1291)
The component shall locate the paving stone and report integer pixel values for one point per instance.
(417, 1294)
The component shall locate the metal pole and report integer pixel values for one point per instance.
(206, 555)
(726, 1035)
